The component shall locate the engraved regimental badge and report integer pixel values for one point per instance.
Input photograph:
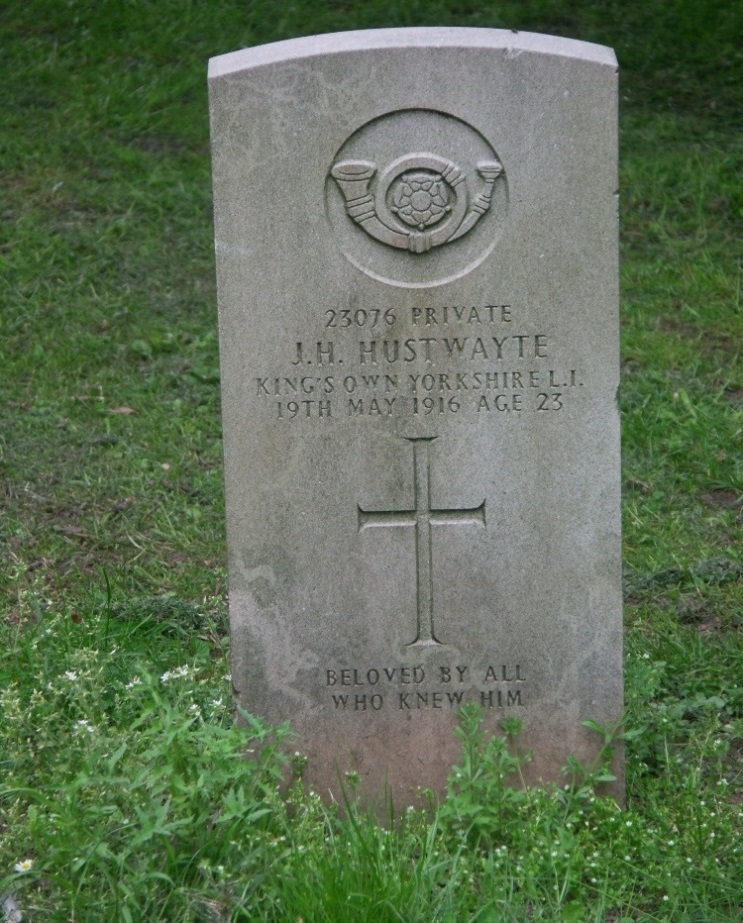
(416, 197)
(418, 202)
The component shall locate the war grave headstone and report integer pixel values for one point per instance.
(416, 243)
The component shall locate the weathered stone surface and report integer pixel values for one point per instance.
(416, 238)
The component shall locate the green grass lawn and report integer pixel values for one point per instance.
(124, 793)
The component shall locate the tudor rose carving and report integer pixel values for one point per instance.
(419, 202)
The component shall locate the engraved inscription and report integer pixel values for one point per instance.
(422, 517)
(416, 687)
(466, 359)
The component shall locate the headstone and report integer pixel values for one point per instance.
(416, 239)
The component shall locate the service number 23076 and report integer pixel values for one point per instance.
(373, 317)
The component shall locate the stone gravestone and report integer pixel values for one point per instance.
(416, 239)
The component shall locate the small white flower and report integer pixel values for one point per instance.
(71, 675)
(178, 673)
(134, 681)
(84, 725)
(25, 865)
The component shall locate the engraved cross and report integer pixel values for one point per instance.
(422, 517)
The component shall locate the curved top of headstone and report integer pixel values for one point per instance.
(513, 43)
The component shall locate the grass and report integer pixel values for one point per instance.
(123, 790)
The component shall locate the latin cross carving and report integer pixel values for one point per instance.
(422, 517)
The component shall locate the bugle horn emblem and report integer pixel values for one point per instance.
(419, 202)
